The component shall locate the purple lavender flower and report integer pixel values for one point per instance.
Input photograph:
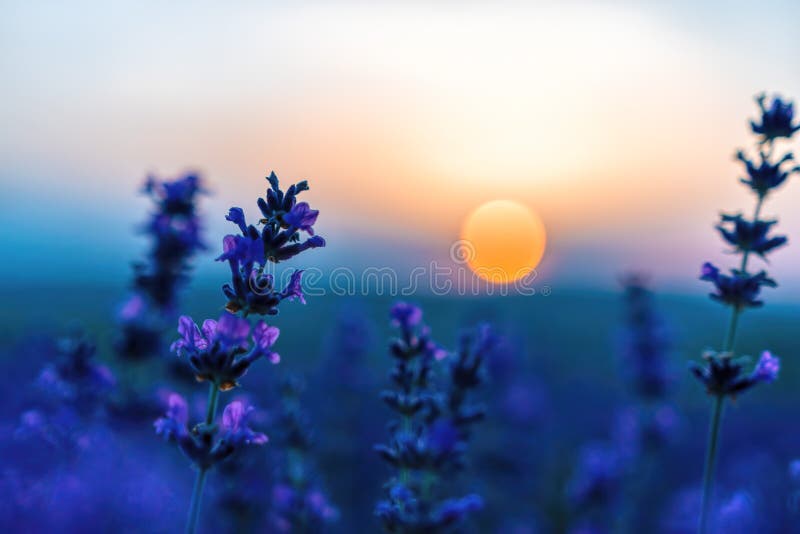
(252, 289)
(173, 426)
(75, 378)
(199, 443)
(283, 219)
(454, 511)
(294, 290)
(430, 437)
(175, 232)
(749, 236)
(767, 368)
(724, 375)
(765, 176)
(405, 315)
(221, 353)
(301, 217)
(235, 431)
(176, 197)
(298, 502)
(777, 119)
(597, 478)
(740, 289)
(645, 342)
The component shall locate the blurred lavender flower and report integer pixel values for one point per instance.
(75, 378)
(764, 176)
(252, 290)
(349, 425)
(725, 376)
(749, 235)
(733, 514)
(221, 353)
(597, 478)
(298, 503)
(174, 229)
(431, 435)
(777, 119)
(645, 343)
(740, 290)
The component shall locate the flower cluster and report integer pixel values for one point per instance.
(75, 378)
(645, 342)
(298, 503)
(430, 437)
(174, 228)
(777, 119)
(221, 352)
(726, 376)
(207, 444)
(252, 288)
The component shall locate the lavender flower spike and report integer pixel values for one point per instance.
(221, 353)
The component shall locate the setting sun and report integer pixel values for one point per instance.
(503, 241)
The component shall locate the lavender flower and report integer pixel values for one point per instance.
(174, 229)
(252, 290)
(298, 502)
(221, 353)
(765, 176)
(723, 374)
(430, 437)
(198, 443)
(645, 342)
(777, 119)
(749, 236)
(75, 378)
(598, 475)
(739, 289)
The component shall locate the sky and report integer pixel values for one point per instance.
(616, 122)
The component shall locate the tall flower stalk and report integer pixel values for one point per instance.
(174, 230)
(435, 419)
(723, 372)
(222, 351)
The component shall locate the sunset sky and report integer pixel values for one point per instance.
(616, 122)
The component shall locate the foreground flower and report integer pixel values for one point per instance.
(221, 352)
(252, 288)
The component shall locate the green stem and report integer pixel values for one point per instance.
(719, 402)
(711, 461)
(213, 400)
(194, 507)
(404, 474)
(200, 481)
(730, 337)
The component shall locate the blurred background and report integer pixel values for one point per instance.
(616, 122)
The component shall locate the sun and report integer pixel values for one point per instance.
(502, 241)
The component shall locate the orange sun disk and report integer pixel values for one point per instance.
(503, 241)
